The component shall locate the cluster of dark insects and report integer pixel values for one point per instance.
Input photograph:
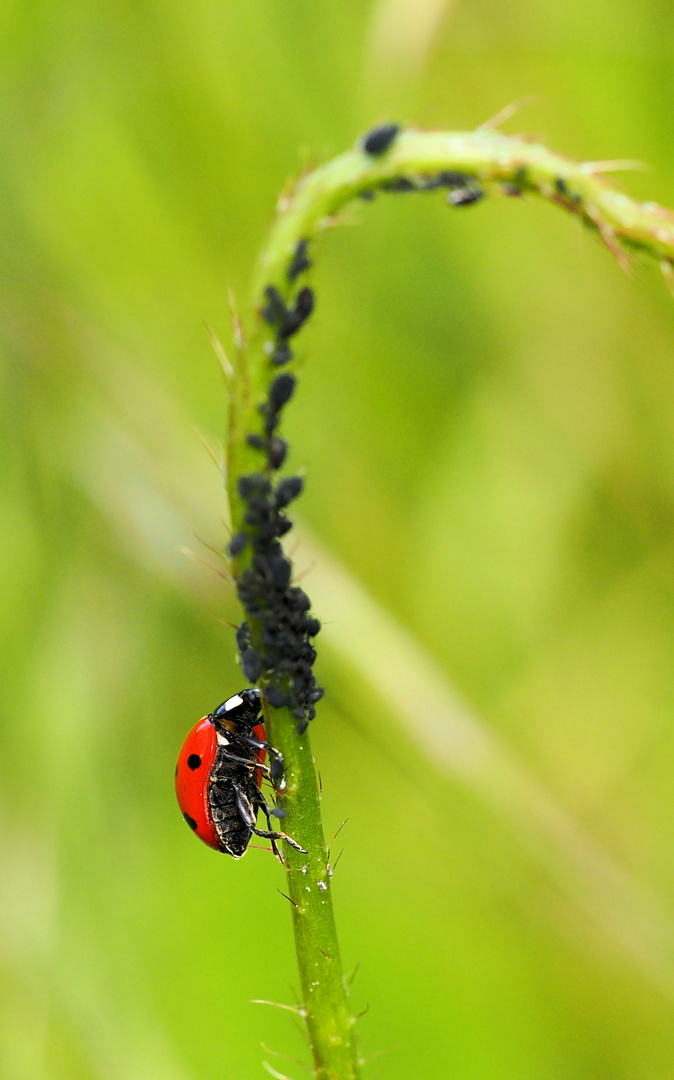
(284, 652)
(280, 608)
(462, 188)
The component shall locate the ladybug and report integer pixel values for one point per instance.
(219, 776)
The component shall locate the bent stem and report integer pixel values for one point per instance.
(477, 163)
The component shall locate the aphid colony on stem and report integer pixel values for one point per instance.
(280, 611)
(464, 189)
(280, 649)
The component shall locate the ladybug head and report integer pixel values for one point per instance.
(241, 710)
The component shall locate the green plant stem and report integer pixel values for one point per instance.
(491, 158)
(325, 1003)
(500, 164)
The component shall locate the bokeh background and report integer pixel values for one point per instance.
(486, 417)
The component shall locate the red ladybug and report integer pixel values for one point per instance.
(219, 776)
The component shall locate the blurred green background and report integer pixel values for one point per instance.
(486, 415)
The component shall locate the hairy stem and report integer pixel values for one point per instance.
(325, 1001)
(466, 166)
(494, 160)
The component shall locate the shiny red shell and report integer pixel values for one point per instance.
(192, 784)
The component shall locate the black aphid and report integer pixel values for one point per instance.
(380, 139)
(281, 391)
(274, 311)
(283, 525)
(238, 543)
(276, 770)
(300, 261)
(288, 489)
(243, 637)
(275, 697)
(276, 452)
(251, 665)
(399, 184)
(254, 486)
(453, 179)
(282, 354)
(281, 571)
(465, 196)
(304, 305)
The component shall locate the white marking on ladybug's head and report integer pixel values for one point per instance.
(222, 741)
(233, 702)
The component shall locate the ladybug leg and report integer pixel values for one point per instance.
(269, 835)
(245, 808)
(275, 773)
(261, 744)
(245, 761)
(264, 807)
(248, 814)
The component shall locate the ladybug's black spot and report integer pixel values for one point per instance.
(193, 761)
(190, 821)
